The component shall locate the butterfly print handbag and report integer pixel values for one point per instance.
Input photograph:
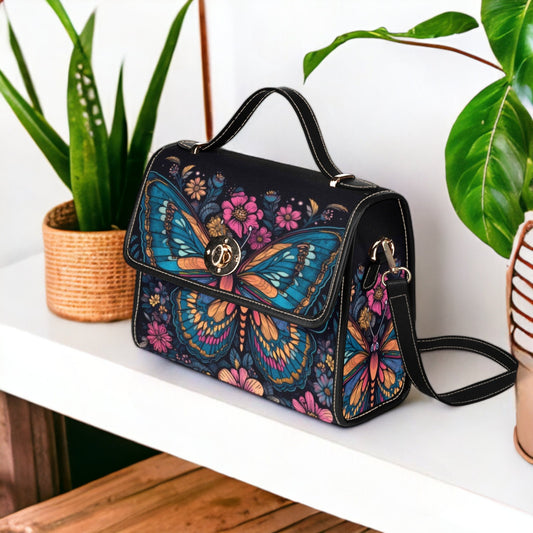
(289, 283)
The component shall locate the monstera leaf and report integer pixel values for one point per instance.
(489, 166)
(509, 28)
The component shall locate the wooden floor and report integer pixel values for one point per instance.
(166, 494)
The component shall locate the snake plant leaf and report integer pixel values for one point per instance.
(87, 34)
(442, 25)
(23, 69)
(118, 152)
(144, 128)
(50, 143)
(65, 19)
(488, 164)
(89, 166)
(509, 28)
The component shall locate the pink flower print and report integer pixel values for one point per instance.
(241, 213)
(158, 337)
(307, 405)
(239, 378)
(377, 298)
(287, 218)
(259, 238)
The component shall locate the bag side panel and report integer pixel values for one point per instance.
(373, 376)
(285, 363)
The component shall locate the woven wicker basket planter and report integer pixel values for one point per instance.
(87, 278)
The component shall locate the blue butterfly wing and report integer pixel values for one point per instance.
(290, 272)
(283, 352)
(204, 324)
(172, 237)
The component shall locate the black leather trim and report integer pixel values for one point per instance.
(307, 120)
(411, 348)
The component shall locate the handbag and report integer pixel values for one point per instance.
(292, 284)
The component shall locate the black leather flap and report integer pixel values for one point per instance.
(237, 230)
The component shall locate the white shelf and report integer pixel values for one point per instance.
(423, 467)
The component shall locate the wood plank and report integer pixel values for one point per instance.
(277, 520)
(349, 527)
(33, 454)
(91, 498)
(207, 501)
(167, 494)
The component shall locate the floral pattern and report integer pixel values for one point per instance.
(241, 213)
(195, 188)
(158, 337)
(287, 217)
(307, 404)
(240, 378)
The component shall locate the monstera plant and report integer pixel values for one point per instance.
(489, 152)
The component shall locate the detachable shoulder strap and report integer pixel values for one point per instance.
(411, 348)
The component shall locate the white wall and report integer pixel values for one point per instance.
(385, 111)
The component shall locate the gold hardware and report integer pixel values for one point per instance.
(195, 148)
(389, 250)
(222, 255)
(373, 253)
(340, 177)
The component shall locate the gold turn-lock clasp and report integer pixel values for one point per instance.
(222, 255)
(388, 248)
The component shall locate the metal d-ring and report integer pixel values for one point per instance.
(395, 271)
(195, 148)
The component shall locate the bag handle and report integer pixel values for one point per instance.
(307, 119)
(411, 348)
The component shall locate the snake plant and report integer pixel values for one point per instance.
(489, 152)
(102, 170)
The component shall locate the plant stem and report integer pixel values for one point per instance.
(449, 49)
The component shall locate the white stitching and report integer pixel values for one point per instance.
(234, 119)
(413, 338)
(463, 337)
(338, 355)
(313, 116)
(308, 135)
(404, 234)
(309, 138)
(461, 349)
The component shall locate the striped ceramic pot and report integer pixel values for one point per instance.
(520, 318)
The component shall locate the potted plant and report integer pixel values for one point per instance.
(489, 162)
(87, 278)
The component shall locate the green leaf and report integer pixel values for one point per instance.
(23, 69)
(509, 27)
(89, 168)
(118, 152)
(50, 143)
(86, 36)
(488, 159)
(65, 19)
(441, 25)
(144, 129)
